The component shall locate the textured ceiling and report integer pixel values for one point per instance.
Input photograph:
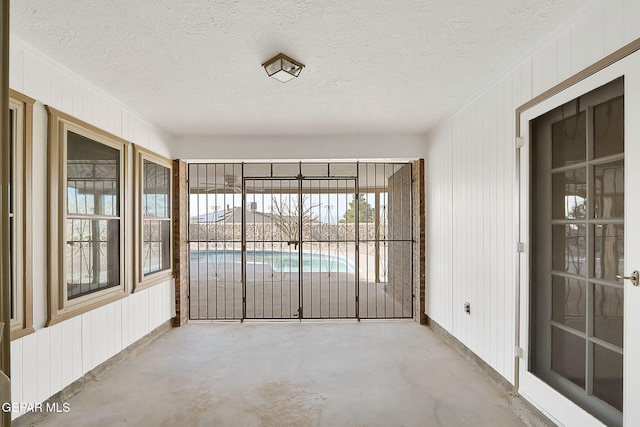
(192, 67)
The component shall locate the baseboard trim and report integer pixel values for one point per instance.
(31, 418)
(520, 407)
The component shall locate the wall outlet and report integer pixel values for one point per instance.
(467, 308)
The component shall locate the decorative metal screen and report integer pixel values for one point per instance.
(300, 240)
(156, 208)
(93, 216)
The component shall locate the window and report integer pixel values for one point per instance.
(153, 218)
(87, 190)
(20, 128)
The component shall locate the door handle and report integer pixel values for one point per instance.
(635, 278)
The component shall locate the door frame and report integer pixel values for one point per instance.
(550, 402)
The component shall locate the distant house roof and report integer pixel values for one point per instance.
(230, 216)
(212, 216)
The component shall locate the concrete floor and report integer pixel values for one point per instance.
(273, 299)
(275, 295)
(394, 373)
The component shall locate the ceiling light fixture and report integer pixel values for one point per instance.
(283, 68)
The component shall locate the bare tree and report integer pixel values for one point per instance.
(287, 215)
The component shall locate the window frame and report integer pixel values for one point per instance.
(140, 280)
(60, 306)
(21, 241)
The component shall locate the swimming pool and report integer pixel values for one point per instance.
(281, 262)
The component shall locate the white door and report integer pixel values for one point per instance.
(632, 244)
(580, 214)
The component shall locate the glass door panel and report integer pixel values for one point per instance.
(577, 200)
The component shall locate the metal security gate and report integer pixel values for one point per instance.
(329, 275)
(215, 241)
(300, 240)
(271, 260)
(296, 264)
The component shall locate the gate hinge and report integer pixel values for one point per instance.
(519, 247)
(518, 352)
(519, 142)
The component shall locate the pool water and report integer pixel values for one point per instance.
(281, 262)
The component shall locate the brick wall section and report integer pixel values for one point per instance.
(419, 259)
(181, 247)
(400, 262)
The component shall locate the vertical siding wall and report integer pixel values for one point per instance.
(470, 182)
(50, 359)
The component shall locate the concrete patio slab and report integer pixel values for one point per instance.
(375, 373)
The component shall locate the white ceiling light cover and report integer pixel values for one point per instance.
(283, 68)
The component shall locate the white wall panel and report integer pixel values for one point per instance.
(470, 162)
(98, 336)
(143, 311)
(631, 28)
(76, 339)
(613, 27)
(301, 147)
(595, 33)
(29, 74)
(67, 93)
(460, 196)
(56, 86)
(77, 100)
(66, 339)
(526, 78)
(16, 371)
(86, 346)
(438, 161)
(55, 352)
(44, 82)
(126, 323)
(45, 362)
(578, 45)
(492, 234)
(29, 369)
(564, 55)
(536, 73)
(111, 330)
(550, 65)
(118, 339)
(16, 69)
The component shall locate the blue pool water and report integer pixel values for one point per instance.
(281, 262)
